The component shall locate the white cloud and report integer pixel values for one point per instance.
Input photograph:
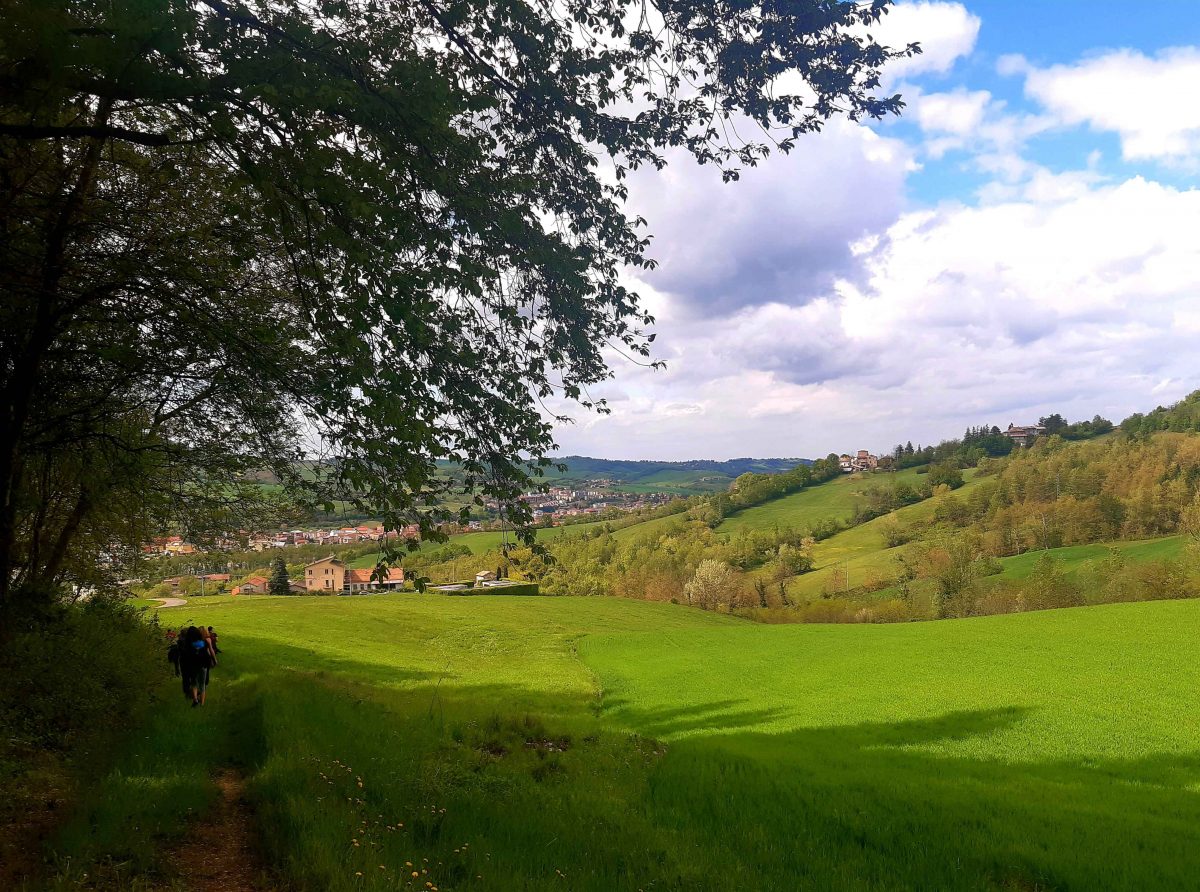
(784, 232)
(959, 112)
(946, 31)
(1146, 100)
(1073, 296)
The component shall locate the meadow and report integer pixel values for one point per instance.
(833, 500)
(403, 741)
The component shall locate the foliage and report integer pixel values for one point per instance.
(714, 585)
(945, 474)
(397, 227)
(279, 582)
(1180, 417)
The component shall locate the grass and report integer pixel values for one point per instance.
(600, 744)
(834, 500)
(861, 552)
(1074, 557)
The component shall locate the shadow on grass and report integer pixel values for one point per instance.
(562, 799)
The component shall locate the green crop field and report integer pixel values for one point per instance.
(834, 500)
(413, 742)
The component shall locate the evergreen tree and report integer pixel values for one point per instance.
(279, 584)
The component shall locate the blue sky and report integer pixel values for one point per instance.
(1022, 240)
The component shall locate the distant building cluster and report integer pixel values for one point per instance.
(560, 502)
(372, 532)
(862, 461)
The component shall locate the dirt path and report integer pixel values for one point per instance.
(168, 602)
(219, 854)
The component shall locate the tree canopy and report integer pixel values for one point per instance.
(242, 233)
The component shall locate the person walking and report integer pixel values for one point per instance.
(213, 636)
(206, 659)
(196, 658)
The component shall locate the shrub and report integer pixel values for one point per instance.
(76, 671)
(945, 473)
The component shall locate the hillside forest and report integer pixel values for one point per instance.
(967, 534)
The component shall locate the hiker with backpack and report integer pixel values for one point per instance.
(196, 658)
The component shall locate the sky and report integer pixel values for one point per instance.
(1024, 239)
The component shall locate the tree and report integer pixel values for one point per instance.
(947, 474)
(714, 584)
(1054, 424)
(391, 230)
(279, 583)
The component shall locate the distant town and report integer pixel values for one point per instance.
(554, 507)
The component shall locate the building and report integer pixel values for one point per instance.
(362, 581)
(863, 461)
(1024, 435)
(252, 585)
(327, 575)
(330, 575)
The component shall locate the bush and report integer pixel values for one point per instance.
(945, 473)
(75, 671)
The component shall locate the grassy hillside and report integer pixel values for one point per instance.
(834, 500)
(860, 552)
(600, 744)
(1074, 557)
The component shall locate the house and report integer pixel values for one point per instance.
(361, 580)
(296, 586)
(1024, 435)
(485, 576)
(863, 461)
(327, 575)
(252, 585)
(357, 580)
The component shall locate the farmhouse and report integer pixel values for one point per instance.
(327, 575)
(1024, 435)
(330, 575)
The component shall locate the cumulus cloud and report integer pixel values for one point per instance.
(1079, 302)
(1145, 100)
(782, 233)
(946, 31)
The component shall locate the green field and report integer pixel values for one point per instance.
(1073, 557)
(834, 500)
(603, 744)
(860, 552)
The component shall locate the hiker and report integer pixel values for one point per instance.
(213, 636)
(197, 657)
